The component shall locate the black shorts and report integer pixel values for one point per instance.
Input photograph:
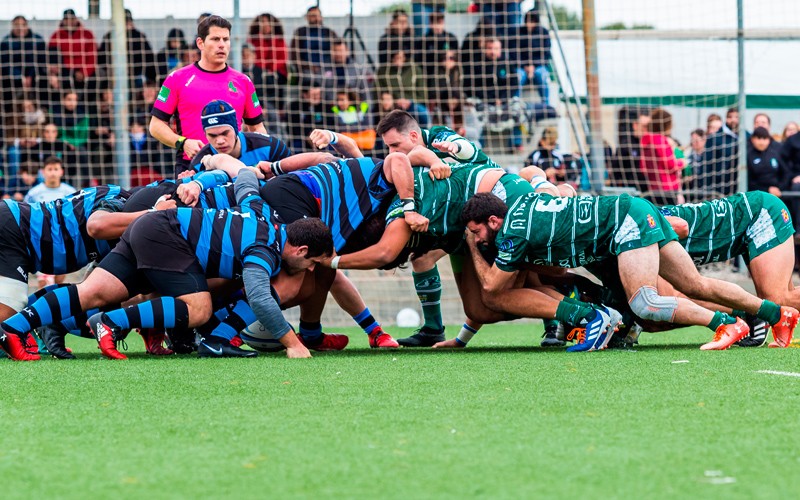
(289, 198)
(152, 248)
(146, 197)
(15, 262)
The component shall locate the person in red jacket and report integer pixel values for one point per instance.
(76, 45)
(658, 161)
(266, 37)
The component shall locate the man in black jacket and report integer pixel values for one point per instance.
(141, 59)
(765, 171)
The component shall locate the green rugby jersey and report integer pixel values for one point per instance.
(572, 232)
(443, 134)
(724, 228)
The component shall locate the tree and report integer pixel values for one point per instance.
(565, 19)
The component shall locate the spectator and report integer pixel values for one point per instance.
(625, 171)
(765, 171)
(491, 78)
(713, 124)
(101, 135)
(148, 159)
(422, 10)
(143, 103)
(789, 130)
(265, 86)
(23, 59)
(311, 44)
(398, 37)
(344, 73)
(558, 165)
(720, 157)
(472, 46)
(23, 183)
(76, 46)
(444, 84)
(504, 15)
(186, 91)
(306, 114)
(790, 160)
(71, 119)
(731, 126)
(762, 120)
(658, 162)
(406, 83)
(530, 45)
(51, 188)
(170, 57)
(694, 157)
(435, 44)
(266, 37)
(141, 59)
(351, 117)
(47, 145)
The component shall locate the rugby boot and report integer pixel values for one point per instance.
(614, 322)
(758, 332)
(590, 337)
(30, 344)
(13, 346)
(237, 341)
(380, 339)
(424, 337)
(154, 341)
(182, 341)
(107, 336)
(218, 347)
(726, 335)
(53, 339)
(783, 330)
(550, 335)
(326, 342)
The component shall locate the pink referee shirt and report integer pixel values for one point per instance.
(185, 93)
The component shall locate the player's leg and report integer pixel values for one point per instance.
(428, 285)
(772, 275)
(310, 331)
(346, 295)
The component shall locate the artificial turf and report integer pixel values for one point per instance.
(500, 419)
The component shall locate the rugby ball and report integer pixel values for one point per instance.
(257, 337)
(408, 318)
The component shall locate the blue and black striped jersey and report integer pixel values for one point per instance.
(56, 230)
(348, 192)
(226, 241)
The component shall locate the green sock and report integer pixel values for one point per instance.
(769, 312)
(720, 318)
(573, 312)
(429, 291)
(550, 323)
(739, 313)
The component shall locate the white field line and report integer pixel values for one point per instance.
(773, 372)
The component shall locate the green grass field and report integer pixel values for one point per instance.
(500, 419)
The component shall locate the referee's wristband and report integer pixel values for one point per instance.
(180, 143)
(335, 262)
(408, 204)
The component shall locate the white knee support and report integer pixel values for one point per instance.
(542, 185)
(648, 304)
(13, 293)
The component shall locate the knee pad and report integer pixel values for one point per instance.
(13, 293)
(648, 304)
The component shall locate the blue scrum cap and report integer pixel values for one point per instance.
(218, 113)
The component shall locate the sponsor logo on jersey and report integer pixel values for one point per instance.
(232, 87)
(584, 211)
(505, 246)
(651, 221)
(785, 215)
(163, 94)
(254, 99)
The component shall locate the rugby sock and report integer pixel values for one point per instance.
(739, 313)
(574, 312)
(769, 312)
(240, 316)
(429, 292)
(310, 330)
(38, 294)
(163, 312)
(366, 321)
(52, 307)
(720, 318)
(76, 325)
(552, 323)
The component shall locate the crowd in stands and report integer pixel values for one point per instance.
(57, 98)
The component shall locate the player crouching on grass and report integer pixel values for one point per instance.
(173, 253)
(586, 229)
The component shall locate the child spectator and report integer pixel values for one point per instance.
(713, 124)
(558, 165)
(789, 130)
(51, 188)
(351, 117)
